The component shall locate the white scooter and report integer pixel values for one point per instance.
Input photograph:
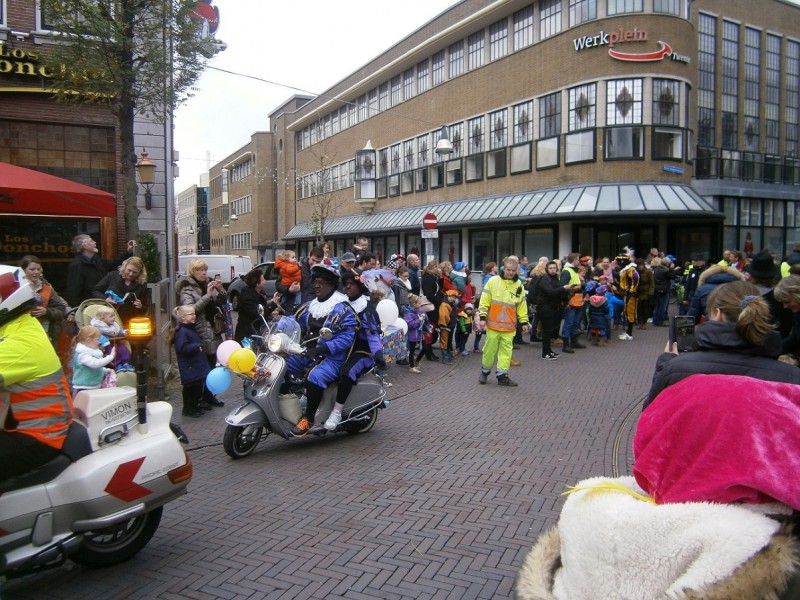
(100, 501)
(265, 410)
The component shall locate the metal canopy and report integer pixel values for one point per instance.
(585, 201)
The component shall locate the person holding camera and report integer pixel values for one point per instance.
(739, 339)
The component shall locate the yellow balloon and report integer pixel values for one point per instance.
(242, 360)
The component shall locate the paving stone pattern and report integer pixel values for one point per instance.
(442, 499)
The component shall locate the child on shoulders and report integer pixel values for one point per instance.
(287, 266)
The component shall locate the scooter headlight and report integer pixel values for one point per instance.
(278, 342)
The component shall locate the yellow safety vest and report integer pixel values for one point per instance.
(32, 383)
(503, 304)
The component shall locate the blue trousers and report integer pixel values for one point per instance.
(572, 322)
(662, 308)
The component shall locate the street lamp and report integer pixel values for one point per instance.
(444, 147)
(147, 170)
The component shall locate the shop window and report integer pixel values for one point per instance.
(579, 147)
(547, 153)
(496, 164)
(475, 167)
(624, 143)
(521, 159)
(667, 143)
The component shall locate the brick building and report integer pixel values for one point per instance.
(578, 125)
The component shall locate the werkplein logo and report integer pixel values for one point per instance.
(622, 36)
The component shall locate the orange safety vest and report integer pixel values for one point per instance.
(32, 383)
(503, 301)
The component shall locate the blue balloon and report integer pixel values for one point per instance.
(218, 380)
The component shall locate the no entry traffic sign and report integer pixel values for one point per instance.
(430, 221)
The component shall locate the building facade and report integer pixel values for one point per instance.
(576, 125)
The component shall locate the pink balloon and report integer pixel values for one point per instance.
(225, 350)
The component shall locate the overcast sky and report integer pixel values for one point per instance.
(306, 44)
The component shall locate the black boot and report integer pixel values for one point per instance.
(191, 409)
(575, 343)
(566, 347)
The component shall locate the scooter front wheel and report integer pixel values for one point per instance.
(241, 441)
(118, 543)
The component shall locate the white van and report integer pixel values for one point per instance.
(227, 266)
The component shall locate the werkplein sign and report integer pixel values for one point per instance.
(626, 36)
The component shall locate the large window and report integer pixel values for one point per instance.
(477, 131)
(579, 146)
(437, 68)
(456, 57)
(408, 84)
(624, 101)
(666, 102)
(523, 28)
(475, 50)
(581, 11)
(396, 90)
(523, 122)
(423, 83)
(752, 88)
(547, 153)
(76, 152)
(550, 115)
(619, 7)
(498, 40)
(706, 130)
(624, 143)
(730, 84)
(672, 7)
(583, 106)
(383, 97)
(667, 143)
(498, 129)
(549, 18)
(772, 106)
(792, 96)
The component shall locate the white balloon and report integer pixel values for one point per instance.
(401, 324)
(387, 312)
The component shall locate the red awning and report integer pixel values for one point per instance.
(24, 191)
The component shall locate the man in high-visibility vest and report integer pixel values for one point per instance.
(502, 305)
(35, 403)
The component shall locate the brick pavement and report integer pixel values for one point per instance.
(442, 499)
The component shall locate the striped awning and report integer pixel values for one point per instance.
(573, 202)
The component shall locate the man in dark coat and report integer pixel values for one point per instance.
(87, 268)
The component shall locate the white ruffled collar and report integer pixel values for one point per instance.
(319, 309)
(359, 304)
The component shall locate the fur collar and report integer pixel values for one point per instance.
(718, 269)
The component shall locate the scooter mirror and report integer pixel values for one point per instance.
(325, 333)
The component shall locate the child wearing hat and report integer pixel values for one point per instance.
(448, 318)
(463, 328)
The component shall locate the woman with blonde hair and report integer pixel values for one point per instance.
(128, 289)
(207, 297)
(739, 339)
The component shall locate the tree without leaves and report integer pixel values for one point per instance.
(325, 203)
(134, 56)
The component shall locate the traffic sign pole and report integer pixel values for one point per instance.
(429, 223)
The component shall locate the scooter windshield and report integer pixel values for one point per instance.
(290, 327)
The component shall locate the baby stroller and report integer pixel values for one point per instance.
(84, 315)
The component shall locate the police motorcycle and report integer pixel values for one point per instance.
(100, 501)
(264, 409)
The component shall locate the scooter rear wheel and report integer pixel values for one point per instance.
(241, 441)
(363, 426)
(118, 543)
